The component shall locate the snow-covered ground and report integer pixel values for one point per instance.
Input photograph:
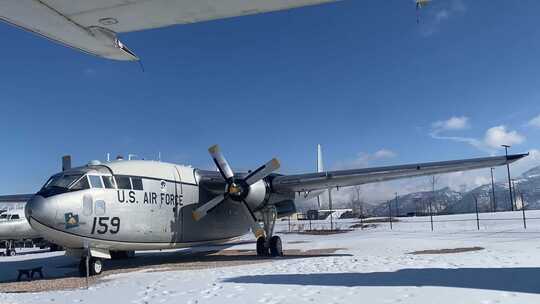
(374, 267)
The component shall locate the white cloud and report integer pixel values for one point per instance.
(453, 123)
(497, 136)
(364, 159)
(535, 122)
(493, 138)
(384, 153)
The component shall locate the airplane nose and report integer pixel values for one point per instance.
(38, 208)
(31, 205)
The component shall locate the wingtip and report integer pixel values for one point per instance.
(514, 157)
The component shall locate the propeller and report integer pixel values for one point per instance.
(236, 189)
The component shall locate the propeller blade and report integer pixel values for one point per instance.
(250, 212)
(221, 162)
(262, 172)
(201, 212)
(256, 228)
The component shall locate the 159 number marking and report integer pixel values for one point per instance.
(105, 224)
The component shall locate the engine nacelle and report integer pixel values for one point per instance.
(257, 195)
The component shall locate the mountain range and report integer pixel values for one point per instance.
(448, 201)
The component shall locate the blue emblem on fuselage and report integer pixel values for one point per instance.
(72, 220)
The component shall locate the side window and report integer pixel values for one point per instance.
(123, 182)
(137, 183)
(81, 184)
(15, 217)
(100, 207)
(88, 205)
(109, 182)
(95, 181)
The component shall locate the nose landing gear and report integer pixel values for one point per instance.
(95, 266)
(269, 245)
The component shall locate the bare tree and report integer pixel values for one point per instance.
(432, 182)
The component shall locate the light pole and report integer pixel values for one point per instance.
(494, 204)
(509, 180)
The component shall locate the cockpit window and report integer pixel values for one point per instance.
(95, 181)
(3, 216)
(62, 180)
(109, 182)
(15, 217)
(81, 184)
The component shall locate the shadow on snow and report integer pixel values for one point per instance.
(500, 279)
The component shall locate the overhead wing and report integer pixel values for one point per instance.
(91, 25)
(344, 178)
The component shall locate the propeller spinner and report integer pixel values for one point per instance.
(236, 189)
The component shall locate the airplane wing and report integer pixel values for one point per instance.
(16, 198)
(343, 178)
(91, 25)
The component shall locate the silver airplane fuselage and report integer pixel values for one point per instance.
(16, 227)
(131, 205)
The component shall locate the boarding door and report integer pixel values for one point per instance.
(177, 208)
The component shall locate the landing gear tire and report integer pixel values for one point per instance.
(95, 265)
(275, 246)
(262, 250)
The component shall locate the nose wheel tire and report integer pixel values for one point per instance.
(275, 249)
(95, 266)
(262, 250)
(11, 252)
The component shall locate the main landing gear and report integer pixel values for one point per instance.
(10, 248)
(269, 245)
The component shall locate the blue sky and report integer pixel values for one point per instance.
(362, 78)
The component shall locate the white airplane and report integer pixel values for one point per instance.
(107, 210)
(15, 227)
(92, 26)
